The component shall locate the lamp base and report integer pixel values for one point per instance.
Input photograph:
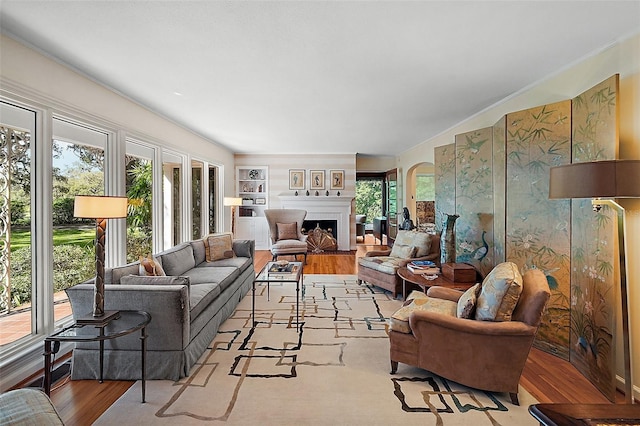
(101, 320)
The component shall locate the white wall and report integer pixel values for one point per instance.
(279, 166)
(622, 58)
(32, 75)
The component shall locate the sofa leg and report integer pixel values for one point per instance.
(394, 366)
(514, 398)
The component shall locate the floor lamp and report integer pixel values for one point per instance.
(233, 202)
(598, 180)
(100, 208)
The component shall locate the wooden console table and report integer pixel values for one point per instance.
(424, 284)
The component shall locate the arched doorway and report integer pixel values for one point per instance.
(420, 193)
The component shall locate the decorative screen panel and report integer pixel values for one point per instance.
(474, 199)
(593, 260)
(445, 174)
(537, 228)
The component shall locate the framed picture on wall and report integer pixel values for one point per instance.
(317, 179)
(337, 179)
(296, 179)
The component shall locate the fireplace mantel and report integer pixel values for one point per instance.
(324, 207)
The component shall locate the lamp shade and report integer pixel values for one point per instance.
(100, 207)
(232, 201)
(605, 179)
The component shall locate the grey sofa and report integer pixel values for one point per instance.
(184, 318)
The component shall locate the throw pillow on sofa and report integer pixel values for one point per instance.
(467, 302)
(150, 266)
(500, 293)
(420, 240)
(287, 231)
(218, 246)
(403, 252)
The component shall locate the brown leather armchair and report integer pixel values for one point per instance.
(485, 355)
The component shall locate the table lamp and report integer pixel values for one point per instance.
(233, 202)
(598, 180)
(100, 208)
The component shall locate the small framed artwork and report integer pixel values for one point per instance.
(296, 179)
(337, 179)
(317, 179)
(261, 201)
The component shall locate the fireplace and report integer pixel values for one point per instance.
(336, 209)
(326, 225)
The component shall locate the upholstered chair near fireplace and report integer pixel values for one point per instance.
(379, 267)
(285, 231)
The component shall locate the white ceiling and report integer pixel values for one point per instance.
(367, 77)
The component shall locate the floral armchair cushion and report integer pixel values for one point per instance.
(418, 301)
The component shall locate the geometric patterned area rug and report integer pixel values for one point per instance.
(332, 370)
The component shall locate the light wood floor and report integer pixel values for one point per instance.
(546, 377)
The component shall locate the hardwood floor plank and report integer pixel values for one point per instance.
(546, 377)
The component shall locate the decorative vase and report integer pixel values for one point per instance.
(448, 240)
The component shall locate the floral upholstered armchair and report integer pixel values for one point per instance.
(380, 267)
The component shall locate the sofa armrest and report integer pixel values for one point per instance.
(420, 319)
(374, 253)
(168, 306)
(244, 248)
(444, 293)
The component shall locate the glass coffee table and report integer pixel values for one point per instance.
(119, 324)
(278, 272)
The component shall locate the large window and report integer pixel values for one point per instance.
(425, 187)
(197, 194)
(369, 197)
(172, 199)
(16, 278)
(73, 238)
(139, 189)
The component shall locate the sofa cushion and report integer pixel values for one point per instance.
(201, 296)
(385, 264)
(241, 263)
(420, 302)
(218, 246)
(178, 259)
(154, 280)
(402, 251)
(287, 231)
(499, 295)
(420, 240)
(223, 275)
(113, 275)
(150, 266)
(198, 247)
(467, 302)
